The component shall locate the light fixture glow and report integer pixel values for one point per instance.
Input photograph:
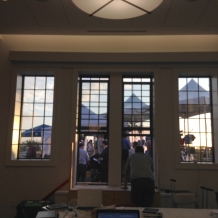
(117, 9)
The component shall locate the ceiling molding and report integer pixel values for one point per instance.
(74, 57)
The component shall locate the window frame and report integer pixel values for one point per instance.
(115, 109)
(151, 108)
(79, 128)
(196, 72)
(22, 71)
(151, 84)
(79, 115)
(211, 108)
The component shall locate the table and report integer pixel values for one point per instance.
(167, 213)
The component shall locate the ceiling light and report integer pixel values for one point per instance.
(117, 9)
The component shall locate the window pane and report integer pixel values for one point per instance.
(28, 96)
(86, 86)
(50, 83)
(40, 96)
(27, 109)
(29, 83)
(48, 109)
(39, 109)
(94, 86)
(40, 82)
(49, 96)
(48, 121)
(26, 122)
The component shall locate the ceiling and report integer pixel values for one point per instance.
(62, 17)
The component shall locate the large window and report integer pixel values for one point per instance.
(137, 115)
(92, 121)
(33, 118)
(195, 119)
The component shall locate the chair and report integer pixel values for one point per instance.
(183, 197)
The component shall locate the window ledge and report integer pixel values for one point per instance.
(197, 166)
(103, 187)
(29, 163)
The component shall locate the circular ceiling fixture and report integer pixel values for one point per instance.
(42, 0)
(117, 9)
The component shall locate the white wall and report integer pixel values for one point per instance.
(20, 183)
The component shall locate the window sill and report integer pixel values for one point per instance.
(197, 166)
(29, 163)
(103, 187)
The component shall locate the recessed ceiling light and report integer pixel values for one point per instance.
(117, 9)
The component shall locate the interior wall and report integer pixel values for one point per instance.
(20, 183)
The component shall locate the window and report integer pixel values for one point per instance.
(195, 119)
(137, 115)
(92, 121)
(33, 113)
